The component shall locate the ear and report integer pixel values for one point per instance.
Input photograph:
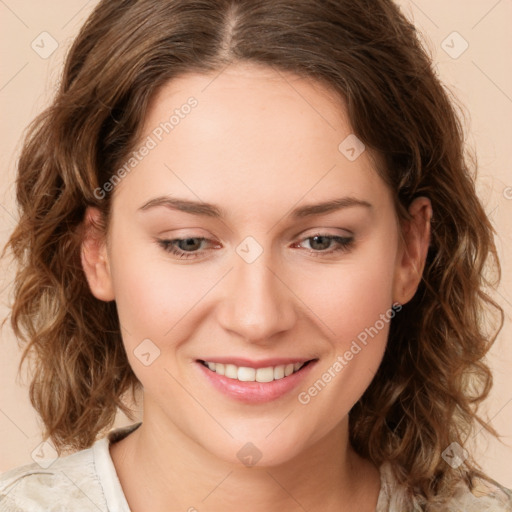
(94, 256)
(413, 250)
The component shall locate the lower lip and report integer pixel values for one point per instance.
(255, 392)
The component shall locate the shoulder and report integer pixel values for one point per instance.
(69, 483)
(484, 495)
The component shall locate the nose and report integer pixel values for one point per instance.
(257, 304)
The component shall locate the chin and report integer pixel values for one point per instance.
(258, 450)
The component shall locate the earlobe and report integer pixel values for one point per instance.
(94, 256)
(413, 252)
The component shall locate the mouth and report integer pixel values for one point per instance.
(252, 374)
(255, 382)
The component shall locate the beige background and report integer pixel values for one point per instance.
(480, 77)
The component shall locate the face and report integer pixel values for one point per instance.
(252, 274)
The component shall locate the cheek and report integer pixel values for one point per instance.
(352, 296)
(355, 307)
(152, 294)
(155, 301)
(358, 314)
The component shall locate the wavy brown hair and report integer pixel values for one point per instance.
(433, 376)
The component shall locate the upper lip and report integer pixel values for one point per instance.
(262, 363)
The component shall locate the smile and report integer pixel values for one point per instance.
(248, 374)
(252, 385)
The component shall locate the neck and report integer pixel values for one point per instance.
(159, 465)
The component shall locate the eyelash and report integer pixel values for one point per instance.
(344, 245)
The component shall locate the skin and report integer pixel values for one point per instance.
(258, 144)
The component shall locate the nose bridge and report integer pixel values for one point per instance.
(257, 305)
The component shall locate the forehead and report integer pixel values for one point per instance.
(254, 135)
(255, 98)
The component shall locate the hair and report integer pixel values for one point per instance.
(433, 375)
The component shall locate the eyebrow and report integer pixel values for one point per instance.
(211, 210)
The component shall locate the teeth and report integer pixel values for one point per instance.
(231, 371)
(264, 374)
(288, 369)
(246, 374)
(278, 372)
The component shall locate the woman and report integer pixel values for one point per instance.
(260, 215)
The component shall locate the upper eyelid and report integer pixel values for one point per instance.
(305, 233)
(333, 237)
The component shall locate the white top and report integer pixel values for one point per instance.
(87, 481)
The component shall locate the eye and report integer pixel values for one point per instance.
(183, 247)
(192, 247)
(320, 242)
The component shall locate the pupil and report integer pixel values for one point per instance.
(188, 243)
(325, 244)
